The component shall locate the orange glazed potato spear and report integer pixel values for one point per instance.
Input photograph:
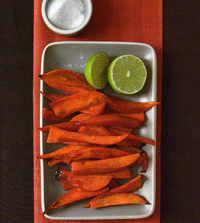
(51, 117)
(103, 166)
(124, 106)
(75, 194)
(76, 102)
(98, 152)
(112, 184)
(128, 187)
(95, 130)
(67, 150)
(54, 97)
(142, 161)
(63, 125)
(120, 174)
(67, 81)
(110, 120)
(62, 155)
(57, 135)
(128, 142)
(134, 137)
(140, 116)
(93, 110)
(88, 182)
(113, 199)
(101, 130)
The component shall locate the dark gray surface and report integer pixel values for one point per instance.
(180, 154)
(16, 147)
(180, 112)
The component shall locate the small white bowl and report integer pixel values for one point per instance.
(88, 8)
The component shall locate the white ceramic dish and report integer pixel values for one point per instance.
(88, 8)
(74, 55)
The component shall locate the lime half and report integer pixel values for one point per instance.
(127, 74)
(96, 70)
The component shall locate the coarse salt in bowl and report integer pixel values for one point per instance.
(66, 17)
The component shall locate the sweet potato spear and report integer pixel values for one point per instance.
(101, 130)
(128, 187)
(134, 137)
(123, 106)
(62, 174)
(67, 150)
(57, 135)
(113, 183)
(62, 155)
(103, 166)
(80, 117)
(65, 186)
(67, 81)
(54, 97)
(113, 199)
(59, 160)
(73, 195)
(95, 130)
(110, 120)
(63, 125)
(140, 139)
(90, 182)
(123, 129)
(50, 116)
(140, 116)
(128, 142)
(98, 152)
(121, 174)
(142, 161)
(93, 110)
(77, 102)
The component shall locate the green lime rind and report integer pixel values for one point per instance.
(127, 74)
(96, 70)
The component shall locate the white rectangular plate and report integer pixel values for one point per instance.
(73, 56)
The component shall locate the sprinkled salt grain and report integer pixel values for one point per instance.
(65, 14)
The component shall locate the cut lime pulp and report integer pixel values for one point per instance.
(127, 74)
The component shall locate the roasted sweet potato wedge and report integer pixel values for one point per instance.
(113, 199)
(68, 150)
(67, 81)
(63, 125)
(57, 135)
(103, 166)
(124, 106)
(73, 195)
(89, 182)
(128, 187)
(98, 152)
(54, 97)
(93, 110)
(76, 102)
(110, 120)
(134, 137)
(51, 117)
(95, 130)
(120, 174)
